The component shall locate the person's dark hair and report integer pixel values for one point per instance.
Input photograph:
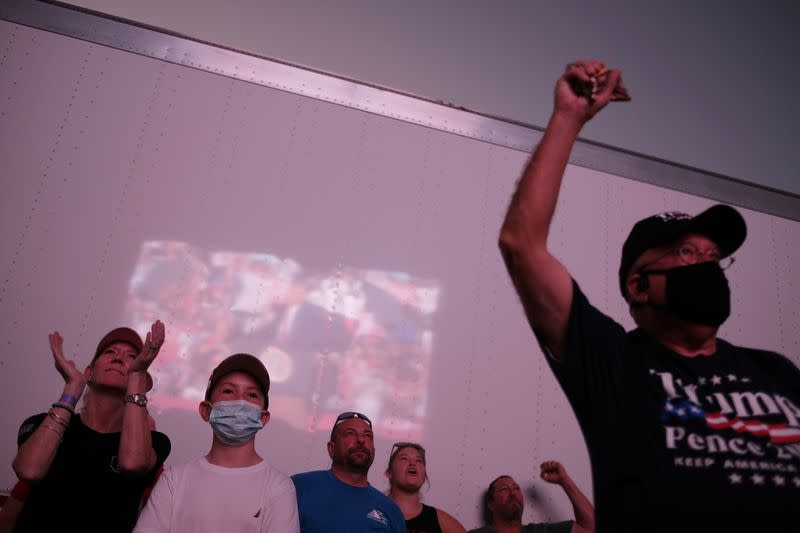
(488, 495)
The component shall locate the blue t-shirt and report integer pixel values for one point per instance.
(328, 505)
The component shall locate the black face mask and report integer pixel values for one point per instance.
(696, 293)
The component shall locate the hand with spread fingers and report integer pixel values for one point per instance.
(150, 348)
(107, 451)
(588, 86)
(74, 380)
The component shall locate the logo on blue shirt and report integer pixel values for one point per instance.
(378, 516)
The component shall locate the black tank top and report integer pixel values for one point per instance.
(424, 522)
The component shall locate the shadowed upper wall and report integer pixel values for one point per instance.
(710, 81)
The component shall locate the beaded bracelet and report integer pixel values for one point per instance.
(58, 419)
(54, 430)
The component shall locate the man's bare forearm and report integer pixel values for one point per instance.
(581, 506)
(136, 454)
(543, 283)
(532, 207)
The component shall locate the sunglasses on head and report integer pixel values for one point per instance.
(347, 416)
(351, 414)
(397, 446)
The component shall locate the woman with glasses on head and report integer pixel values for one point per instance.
(407, 472)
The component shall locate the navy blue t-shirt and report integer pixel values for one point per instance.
(680, 443)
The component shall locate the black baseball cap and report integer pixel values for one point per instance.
(720, 223)
(241, 362)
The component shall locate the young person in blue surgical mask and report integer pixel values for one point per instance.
(232, 488)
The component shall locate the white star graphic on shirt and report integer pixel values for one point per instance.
(731, 377)
(702, 381)
(779, 481)
(680, 412)
(679, 382)
(758, 479)
(716, 380)
(735, 478)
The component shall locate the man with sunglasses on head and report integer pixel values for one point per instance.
(341, 499)
(672, 415)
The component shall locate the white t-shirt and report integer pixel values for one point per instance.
(199, 496)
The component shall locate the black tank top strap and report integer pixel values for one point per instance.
(425, 522)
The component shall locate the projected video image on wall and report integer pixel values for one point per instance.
(334, 340)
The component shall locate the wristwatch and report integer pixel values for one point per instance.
(138, 399)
